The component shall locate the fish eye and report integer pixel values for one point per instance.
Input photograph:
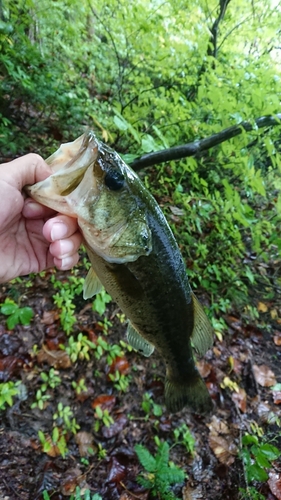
(114, 180)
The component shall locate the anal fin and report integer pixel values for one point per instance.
(202, 334)
(92, 285)
(138, 342)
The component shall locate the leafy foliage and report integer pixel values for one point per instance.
(257, 457)
(86, 495)
(159, 475)
(7, 392)
(96, 67)
(16, 314)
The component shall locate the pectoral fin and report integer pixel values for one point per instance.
(202, 334)
(92, 285)
(138, 342)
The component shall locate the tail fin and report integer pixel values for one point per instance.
(192, 393)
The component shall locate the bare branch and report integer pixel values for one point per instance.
(213, 49)
(196, 147)
(120, 68)
(233, 29)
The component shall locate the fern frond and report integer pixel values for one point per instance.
(171, 475)
(145, 483)
(162, 456)
(145, 458)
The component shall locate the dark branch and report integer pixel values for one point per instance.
(212, 49)
(196, 147)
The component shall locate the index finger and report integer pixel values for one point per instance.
(27, 169)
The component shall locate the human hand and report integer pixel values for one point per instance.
(32, 237)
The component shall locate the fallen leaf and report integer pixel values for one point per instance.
(119, 364)
(240, 399)
(49, 317)
(116, 427)
(277, 338)
(217, 426)
(224, 449)
(216, 352)
(57, 359)
(262, 307)
(165, 424)
(117, 471)
(263, 411)
(126, 495)
(264, 376)
(234, 323)
(274, 314)
(254, 333)
(189, 493)
(53, 451)
(92, 336)
(85, 443)
(54, 338)
(83, 395)
(237, 366)
(274, 483)
(155, 387)
(276, 397)
(71, 480)
(204, 368)
(10, 365)
(105, 401)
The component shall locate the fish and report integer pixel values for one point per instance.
(135, 257)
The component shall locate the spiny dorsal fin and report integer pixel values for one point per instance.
(92, 284)
(138, 342)
(202, 334)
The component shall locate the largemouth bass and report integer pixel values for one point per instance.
(134, 255)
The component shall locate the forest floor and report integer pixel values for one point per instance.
(239, 371)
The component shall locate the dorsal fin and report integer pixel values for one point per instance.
(92, 285)
(138, 342)
(202, 334)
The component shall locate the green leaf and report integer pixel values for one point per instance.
(162, 455)
(145, 458)
(246, 457)
(157, 410)
(148, 144)
(13, 321)
(120, 123)
(8, 309)
(256, 473)
(270, 451)
(172, 475)
(25, 315)
(249, 439)
(260, 459)
(55, 435)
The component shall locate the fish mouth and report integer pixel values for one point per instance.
(69, 165)
(83, 150)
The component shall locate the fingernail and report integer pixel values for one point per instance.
(59, 231)
(33, 209)
(66, 248)
(66, 263)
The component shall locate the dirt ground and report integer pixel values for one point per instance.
(239, 372)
